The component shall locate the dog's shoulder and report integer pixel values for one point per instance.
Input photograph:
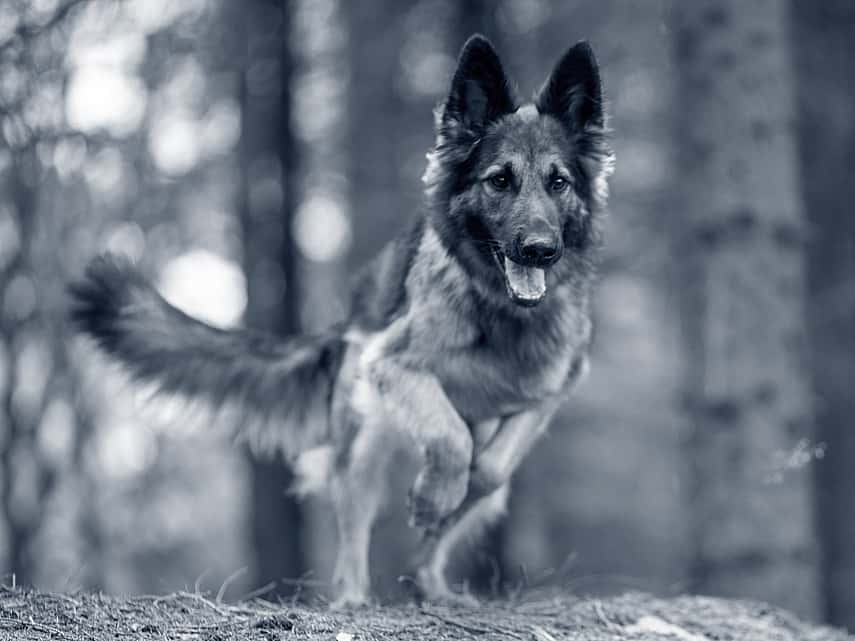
(413, 298)
(380, 287)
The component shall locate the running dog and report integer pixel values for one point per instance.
(464, 335)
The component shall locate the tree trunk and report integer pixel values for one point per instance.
(35, 367)
(268, 169)
(825, 49)
(17, 427)
(378, 115)
(739, 255)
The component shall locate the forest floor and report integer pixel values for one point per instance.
(186, 616)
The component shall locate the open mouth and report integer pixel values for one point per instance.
(526, 285)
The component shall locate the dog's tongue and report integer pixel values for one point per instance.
(526, 283)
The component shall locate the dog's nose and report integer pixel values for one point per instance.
(540, 250)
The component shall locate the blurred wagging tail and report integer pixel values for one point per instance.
(464, 336)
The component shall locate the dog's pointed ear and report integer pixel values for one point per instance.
(479, 90)
(573, 92)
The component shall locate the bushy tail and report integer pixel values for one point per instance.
(275, 391)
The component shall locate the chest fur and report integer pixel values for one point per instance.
(489, 364)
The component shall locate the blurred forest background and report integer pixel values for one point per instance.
(250, 154)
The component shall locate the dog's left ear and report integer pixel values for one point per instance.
(573, 92)
(479, 90)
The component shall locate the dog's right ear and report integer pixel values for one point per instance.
(479, 90)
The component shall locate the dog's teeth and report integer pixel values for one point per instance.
(528, 283)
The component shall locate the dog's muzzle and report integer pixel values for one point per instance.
(526, 284)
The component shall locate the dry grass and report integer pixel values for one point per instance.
(188, 616)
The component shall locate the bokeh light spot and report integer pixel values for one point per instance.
(174, 144)
(206, 286)
(321, 228)
(105, 98)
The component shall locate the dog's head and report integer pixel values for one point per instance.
(514, 189)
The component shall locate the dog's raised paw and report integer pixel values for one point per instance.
(434, 496)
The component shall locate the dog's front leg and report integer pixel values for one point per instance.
(490, 474)
(496, 461)
(416, 403)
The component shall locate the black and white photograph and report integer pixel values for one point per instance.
(363, 320)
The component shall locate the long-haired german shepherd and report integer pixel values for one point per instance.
(464, 336)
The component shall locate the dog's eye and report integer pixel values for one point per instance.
(500, 182)
(558, 184)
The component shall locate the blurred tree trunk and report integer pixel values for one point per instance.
(40, 416)
(268, 168)
(17, 435)
(33, 368)
(824, 53)
(378, 118)
(739, 246)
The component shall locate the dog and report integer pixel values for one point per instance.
(464, 335)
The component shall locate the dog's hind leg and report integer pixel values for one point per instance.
(357, 491)
(438, 546)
